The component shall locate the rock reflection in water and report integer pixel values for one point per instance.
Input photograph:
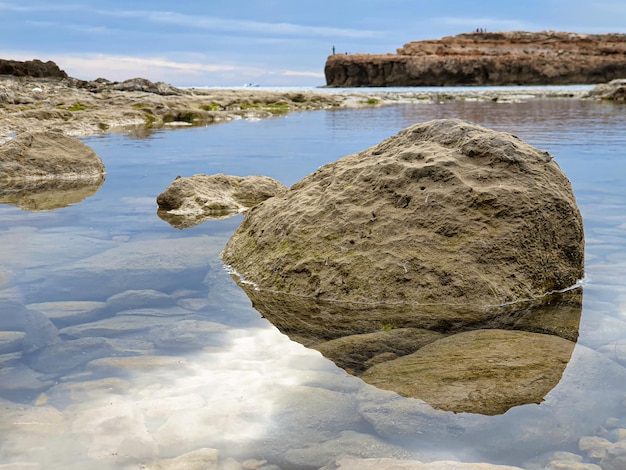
(183, 221)
(48, 194)
(482, 361)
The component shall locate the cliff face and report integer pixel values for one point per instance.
(504, 58)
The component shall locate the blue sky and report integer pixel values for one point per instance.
(271, 43)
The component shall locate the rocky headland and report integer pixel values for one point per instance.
(486, 58)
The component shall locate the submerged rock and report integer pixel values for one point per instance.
(190, 201)
(445, 212)
(355, 463)
(481, 371)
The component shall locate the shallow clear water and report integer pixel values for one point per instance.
(125, 341)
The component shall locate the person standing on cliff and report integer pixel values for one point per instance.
(333, 50)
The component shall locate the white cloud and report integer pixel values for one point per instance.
(16, 7)
(116, 67)
(196, 71)
(247, 27)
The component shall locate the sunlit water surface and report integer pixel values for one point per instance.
(125, 341)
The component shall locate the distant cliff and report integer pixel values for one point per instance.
(499, 58)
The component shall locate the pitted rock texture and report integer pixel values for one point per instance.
(46, 156)
(444, 213)
(189, 201)
(499, 58)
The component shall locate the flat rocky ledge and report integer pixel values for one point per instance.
(79, 108)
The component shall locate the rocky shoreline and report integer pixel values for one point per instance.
(482, 58)
(80, 108)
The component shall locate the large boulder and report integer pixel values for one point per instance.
(446, 212)
(189, 201)
(48, 156)
(410, 263)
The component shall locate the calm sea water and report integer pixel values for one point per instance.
(123, 340)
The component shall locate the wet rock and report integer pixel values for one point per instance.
(98, 428)
(112, 327)
(81, 391)
(444, 212)
(142, 84)
(38, 330)
(559, 460)
(594, 447)
(14, 315)
(615, 90)
(309, 416)
(447, 226)
(201, 459)
(26, 430)
(67, 313)
(355, 463)
(158, 407)
(615, 458)
(114, 365)
(163, 312)
(187, 335)
(483, 371)
(135, 299)
(398, 419)
(69, 355)
(190, 201)
(22, 384)
(346, 443)
(354, 352)
(49, 155)
(162, 264)
(11, 341)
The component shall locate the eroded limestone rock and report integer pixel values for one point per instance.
(189, 201)
(445, 212)
(42, 157)
(444, 232)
